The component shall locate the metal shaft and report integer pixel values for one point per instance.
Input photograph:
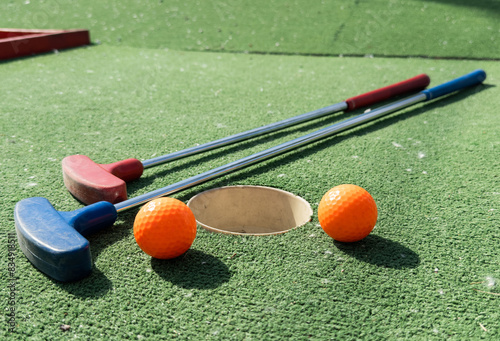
(271, 152)
(246, 135)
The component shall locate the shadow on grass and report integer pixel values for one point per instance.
(490, 6)
(193, 270)
(42, 54)
(95, 285)
(381, 252)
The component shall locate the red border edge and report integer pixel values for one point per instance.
(29, 42)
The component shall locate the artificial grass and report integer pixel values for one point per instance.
(428, 271)
(436, 28)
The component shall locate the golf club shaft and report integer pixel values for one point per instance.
(413, 84)
(268, 153)
(470, 79)
(245, 135)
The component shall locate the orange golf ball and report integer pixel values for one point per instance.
(347, 213)
(165, 228)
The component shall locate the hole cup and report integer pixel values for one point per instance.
(249, 210)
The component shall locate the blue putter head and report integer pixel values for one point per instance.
(54, 241)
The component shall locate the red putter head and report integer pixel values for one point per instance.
(91, 182)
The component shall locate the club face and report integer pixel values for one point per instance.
(90, 183)
(49, 242)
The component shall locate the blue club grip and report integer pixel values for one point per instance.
(470, 79)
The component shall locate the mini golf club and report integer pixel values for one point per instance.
(91, 182)
(54, 241)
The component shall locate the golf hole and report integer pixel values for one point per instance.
(249, 210)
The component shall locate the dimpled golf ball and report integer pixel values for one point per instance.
(165, 228)
(347, 213)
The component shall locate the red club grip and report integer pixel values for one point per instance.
(416, 83)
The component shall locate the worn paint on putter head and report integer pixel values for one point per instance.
(91, 182)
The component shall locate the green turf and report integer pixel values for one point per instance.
(439, 28)
(429, 270)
